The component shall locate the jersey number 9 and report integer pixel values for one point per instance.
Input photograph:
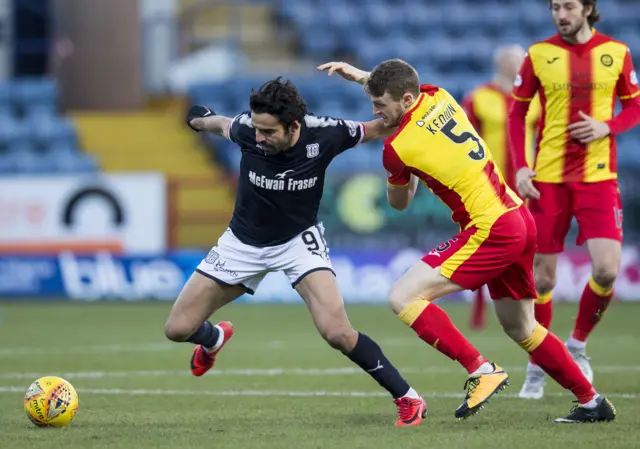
(447, 130)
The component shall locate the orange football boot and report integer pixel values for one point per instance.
(201, 360)
(480, 388)
(410, 411)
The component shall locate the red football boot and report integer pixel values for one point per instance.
(201, 360)
(410, 411)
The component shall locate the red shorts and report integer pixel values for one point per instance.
(596, 206)
(500, 256)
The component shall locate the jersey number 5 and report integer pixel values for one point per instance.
(447, 130)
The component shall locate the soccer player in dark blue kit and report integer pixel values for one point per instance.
(285, 154)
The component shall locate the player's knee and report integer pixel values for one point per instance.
(518, 330)
(605, 275)
(343, 339)
(177, 332)
(545, 282)
(398, 300)
(517, 320)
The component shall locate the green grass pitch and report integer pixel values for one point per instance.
(278, 385)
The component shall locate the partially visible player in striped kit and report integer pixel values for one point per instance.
(578, 74)
(487, 107)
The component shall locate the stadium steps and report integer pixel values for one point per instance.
(157, 139)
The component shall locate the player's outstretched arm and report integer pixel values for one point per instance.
(525, 88)
(400, 197)
(375, 130)
(201, 118)
(347, 71)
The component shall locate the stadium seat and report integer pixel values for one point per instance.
(13, 133)
(73, 162)
(7, 164)
(318, 43)
(53, 131)
(34, 91)
(445, 41)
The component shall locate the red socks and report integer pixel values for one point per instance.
(594, 301)
(434, 326)
(550, 354)
(543, 309)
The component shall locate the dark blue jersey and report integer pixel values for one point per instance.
(279, 195)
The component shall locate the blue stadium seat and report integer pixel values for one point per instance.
(55, 130)
(423, 22)
(333, 108)
(32, 91)
(13, 132)
(318, 43)
(451, 43)
(29, 162)
(73, 163)
(460, 23)
(631, 38)
(63, 148)
(7, 164)
(382, 20)
(6, 97)
(343, 17)
(363, 112)
(302, 14)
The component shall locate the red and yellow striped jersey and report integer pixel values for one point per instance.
(437, 143)
(571, 78)
(487, 107)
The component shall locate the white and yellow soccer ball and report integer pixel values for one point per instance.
(51, 402)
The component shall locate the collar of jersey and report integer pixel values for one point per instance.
(413, 107)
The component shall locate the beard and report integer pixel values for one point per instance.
(278, 147)
(570, 30)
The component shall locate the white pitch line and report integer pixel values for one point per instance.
(275, 372)
(283, 393)
(14, 352)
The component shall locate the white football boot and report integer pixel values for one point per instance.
(533, 387)
(583, 362)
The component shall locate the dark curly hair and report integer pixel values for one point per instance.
(280, 99)
(594, 16)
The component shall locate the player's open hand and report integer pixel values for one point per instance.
(347, 71)
(524, 184)
(588, 129)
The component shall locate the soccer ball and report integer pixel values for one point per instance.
(51, 402)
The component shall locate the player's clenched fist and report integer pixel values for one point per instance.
(347, 71)
(195, 115)
(525, 185)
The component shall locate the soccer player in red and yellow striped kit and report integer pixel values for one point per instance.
(487, 107)
(434, 143)
(578, 73)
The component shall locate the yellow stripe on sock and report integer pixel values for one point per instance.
(411, 313)
(544, 298)
(536, 338)
(599, 290)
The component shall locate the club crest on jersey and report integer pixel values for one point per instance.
(313, 149)
(633, 78)
(606, 60)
